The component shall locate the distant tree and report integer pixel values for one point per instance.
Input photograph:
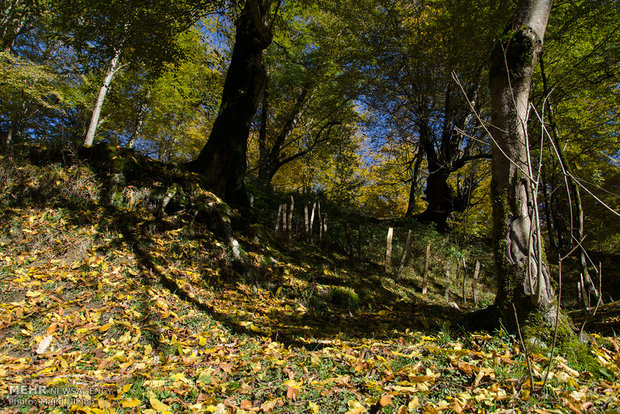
(112, 34)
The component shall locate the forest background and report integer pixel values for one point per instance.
(376, 112)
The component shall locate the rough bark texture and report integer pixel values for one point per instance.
(222, 161)
(523, 275)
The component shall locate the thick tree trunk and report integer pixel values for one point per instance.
(439, 196)
(411, 204)
(222, 161)
(523, 277)
(105, 86)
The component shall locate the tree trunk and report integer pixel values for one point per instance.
(439, 196)
(411, 204)
(138, 125)
(9, 136)
(105, 86)
(222, 161)
(523, 277)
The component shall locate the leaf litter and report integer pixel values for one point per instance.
(148, 318)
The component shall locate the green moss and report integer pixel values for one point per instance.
(516, 50)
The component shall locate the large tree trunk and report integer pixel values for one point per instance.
(222, 161)
(105, 86)
(411, 204)
(523, 277)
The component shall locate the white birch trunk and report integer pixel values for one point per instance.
(290, 215)
(107, 81)
(279, 218)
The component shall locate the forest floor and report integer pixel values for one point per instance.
(113, 309)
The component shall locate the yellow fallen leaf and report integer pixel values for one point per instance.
(32, 294)
(269, 405)
(130, 402)
(159, 406)
(356, 407)
(106, 327)
(126, 388)
(314, 408)
(413, 404)
(202, 341)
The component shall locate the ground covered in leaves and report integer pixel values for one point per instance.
(112, 308)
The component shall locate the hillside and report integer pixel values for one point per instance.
(122, 288)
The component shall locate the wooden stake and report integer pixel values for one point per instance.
(426, 265)
(388, 250)
(475, 282)
(447, 293)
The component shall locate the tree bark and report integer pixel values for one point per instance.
(523, 277)
(105, 86)
(411, 204)
(9, 136)
(222, 161)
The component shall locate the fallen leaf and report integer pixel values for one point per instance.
(159, 406)
(44, 344)
(385, 400)
(269, 405)
(130, 403)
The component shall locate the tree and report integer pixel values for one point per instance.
(16, 18)
(523, 277)
(110, 33)
(309, 95)
(222, 161)
(417, 93)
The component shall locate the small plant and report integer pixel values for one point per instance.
(342, 297)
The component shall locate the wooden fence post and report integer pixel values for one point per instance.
(475, 282)
(426, 266)
(388, 250)
(447, 293)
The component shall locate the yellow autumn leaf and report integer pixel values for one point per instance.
(202, 341)
(158, 406)
(130, 402)
(105, 328)
(314, 408)
(356, 407)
